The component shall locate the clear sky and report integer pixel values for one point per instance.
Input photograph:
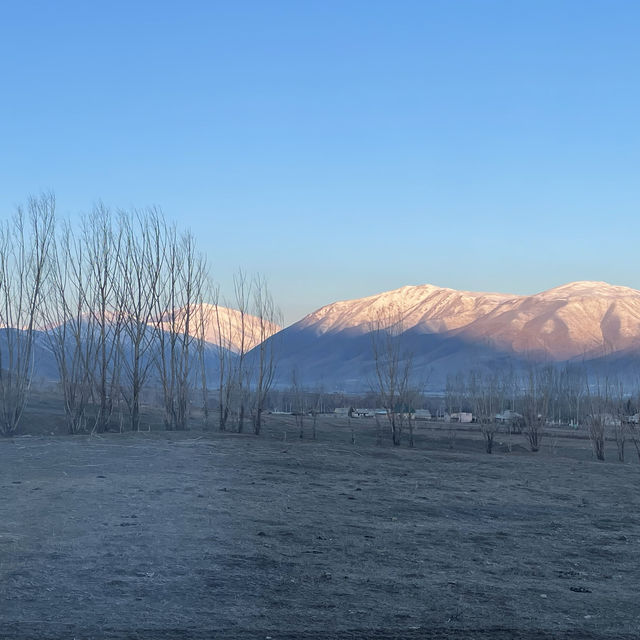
(341, 148)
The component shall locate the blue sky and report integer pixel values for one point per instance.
(341, 148)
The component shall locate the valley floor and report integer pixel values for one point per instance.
(199, 535)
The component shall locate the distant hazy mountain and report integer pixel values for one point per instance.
(224, 327)
(449, 331)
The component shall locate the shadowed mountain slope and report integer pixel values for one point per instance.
(448, 331)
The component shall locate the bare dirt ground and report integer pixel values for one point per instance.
(207, 535)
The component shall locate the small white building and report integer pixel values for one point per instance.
(461, 416)
(363, 413)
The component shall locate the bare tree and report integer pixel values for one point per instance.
(393, 367)
(620, 418)
(242, 296)
(167, 324)
(180, 314)
(634, 426)
(70, 326)
(455, 393)
(139, 272)
(246, 351)
(599, 403)
(102, 241)
(266, 318)
(507, 396)
(25, 243)
(299, 402)
(192, 279)
(226, 370)
(596, 423)
(317, 404)
(411, 402)
(203, 321)
(535, 404)
(485, 397)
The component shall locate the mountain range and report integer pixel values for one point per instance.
(446, 331)
(592, 324)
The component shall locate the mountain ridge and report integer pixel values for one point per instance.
(446, 328)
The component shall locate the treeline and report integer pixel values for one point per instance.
(544, 396)
(125, 301)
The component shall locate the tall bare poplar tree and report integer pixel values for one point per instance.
(242, 292)
(266, 318)
(226, 372)
(166, 325)
(180, 314)
(393, 367)
(139, 272)
(103, 244)
(192, 277)
(535, 405)
(70, 325)
(204, 320)
(25, 242)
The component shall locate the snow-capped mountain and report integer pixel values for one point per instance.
(225, 327)
(580, 319)
(431, 308)
(594, 324)
(448, 330)
(576, 319)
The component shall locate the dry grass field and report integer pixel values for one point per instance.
(208, 535)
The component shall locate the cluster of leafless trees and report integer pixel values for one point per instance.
(25, 244)
(488, 396)
(247, 352)
(612, 415)
(547, 396)
(120, 303)
(121, 308)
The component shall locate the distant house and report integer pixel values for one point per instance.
(508, 416)
(362, 413)
(343, 411)
(422, 414)
(461, 416)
